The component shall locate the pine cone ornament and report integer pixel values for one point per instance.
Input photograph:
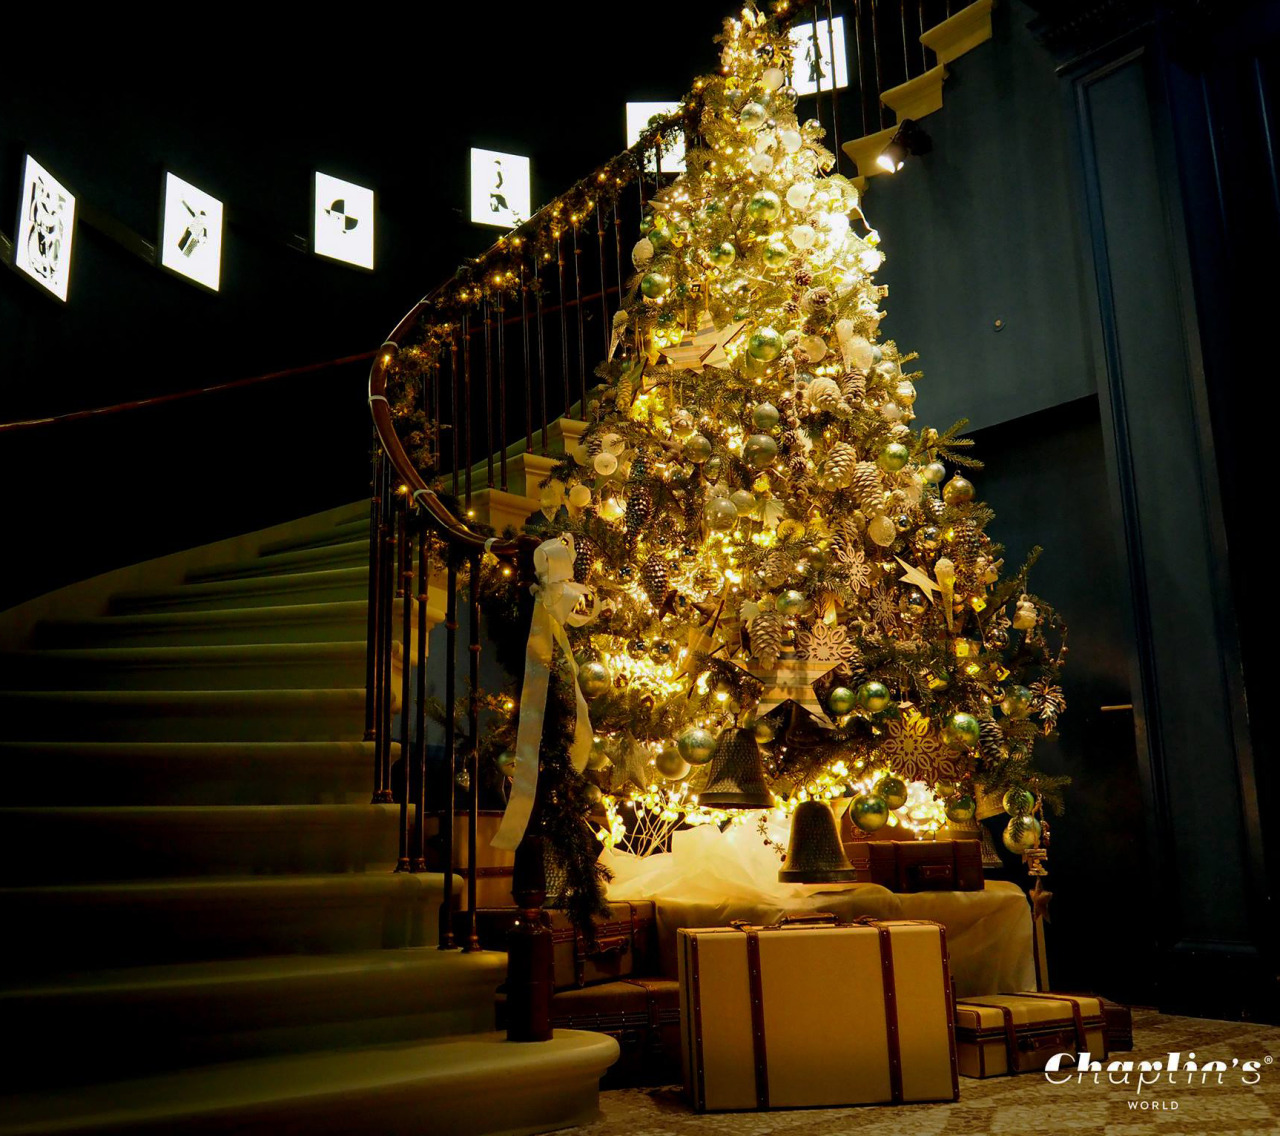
(775, 568)
(824, 396)
(853, 385)
(990, 738)
(595, 443)
(838, 470)
(655, 579)
(639, 469)
(639, 512)
(586, 554)
(868, 487)
(766, 637)
(803, 278)
(797, 471)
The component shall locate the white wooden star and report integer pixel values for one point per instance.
(791, 680)
(705, 347)
(912, 575)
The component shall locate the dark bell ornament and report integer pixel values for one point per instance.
(961, 731)
(736, 778)
(893, 790)
(593, 679)
(814, 852)
(873, 696)
(1021, 834)
(1018, 801)
(958, 491)
(868, 812)
(961, 808)
(696, 745)
(841, 700)
(1016, 702)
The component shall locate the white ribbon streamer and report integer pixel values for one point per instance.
(557, 595)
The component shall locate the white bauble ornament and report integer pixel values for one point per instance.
(605, 463)
(882, 530)
(642, 252)
(580, 496)
(803, 236)
(798, 195)
(773, 78)
(815, 347)
(761, 164)
(790, 141)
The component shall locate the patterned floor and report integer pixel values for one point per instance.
(1019, 1106)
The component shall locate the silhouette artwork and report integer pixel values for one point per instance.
(46, 226)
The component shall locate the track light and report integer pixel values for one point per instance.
(909, 139)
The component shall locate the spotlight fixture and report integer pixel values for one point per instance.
(909, 139)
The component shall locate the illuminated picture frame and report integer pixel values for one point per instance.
(342, 220)
(501, 188)
(45, 230)
(812, 69)
(191, 228)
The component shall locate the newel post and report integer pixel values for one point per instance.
(529, 975)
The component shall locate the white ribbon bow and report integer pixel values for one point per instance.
(557, 596)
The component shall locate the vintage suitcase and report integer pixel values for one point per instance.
(810, 1012)
(1117, 1024)
(625, 943)
(642, 1014)
(918, 865)
(1018, 1033)
(494, 865)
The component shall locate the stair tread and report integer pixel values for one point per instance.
(318, 886)
(199, 697)
(265, 614)
(250, 583)
(194, 652)
(278, 563)
(455, 1066)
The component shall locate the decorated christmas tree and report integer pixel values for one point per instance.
(782, 589)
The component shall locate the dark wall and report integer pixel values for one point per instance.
(248, 118)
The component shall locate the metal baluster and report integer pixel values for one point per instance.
(371, 632)
(387, 588)
(906, 64)
(453, 404)
(542, 365)
(875, 50)
(450, 745)
(604, 298)
(924, 58)
(564, 333)
(406, 631)
(817, 65)
(502, 394)
(835, 85)
(466, 409)
(528, 373)
(617, 247)
(857, 47)
(577, 300)
(473, 728)
(488, 390)
(419, 853)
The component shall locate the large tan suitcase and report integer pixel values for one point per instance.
(810, 1012)
(1018, 1033)
(919, 865)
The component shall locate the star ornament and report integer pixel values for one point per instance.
(705, 347)
(913, 576)
(791, 680)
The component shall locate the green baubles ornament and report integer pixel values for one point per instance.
(723, 254)
(1019, 801)
(765, 344)
(893, 457)
(1016, 702)
(765, 206)
(841, 700)
(958, 491)
(743, 501)
(792, 602)
(759, 450)
(869, 813)
(753, 116)
(593, 678)
(933, 473)
(671, 764)
(765, 730)
(506, 762)
(961, 808)
(873, 696)
(697, 448)
(720, 514)
(1021, 834)
(776, 254)
(655, 285)
(696, 745)
(961, 731)
(764, 416)
(593, 794)
(893, 790)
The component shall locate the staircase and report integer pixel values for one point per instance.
(203, 932)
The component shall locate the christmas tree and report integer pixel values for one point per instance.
(774, 555)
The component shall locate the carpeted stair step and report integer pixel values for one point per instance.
(471, 1085)
(99, 843)
(188, 773)
(242, 666)
(75, 926)
(347, 554)
(192, 1014)
(339, 534)
(320, 586)
(185, 715)
(343, 621)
